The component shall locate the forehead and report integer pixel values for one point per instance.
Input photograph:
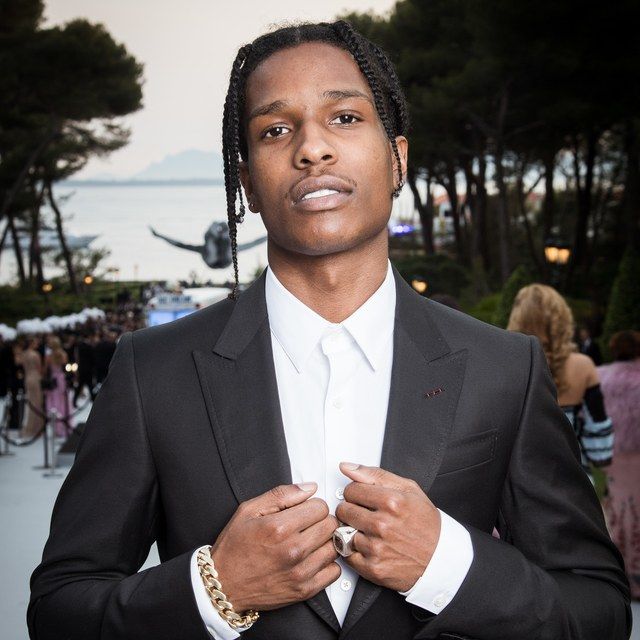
(296, 73)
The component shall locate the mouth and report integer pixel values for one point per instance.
(320, 193)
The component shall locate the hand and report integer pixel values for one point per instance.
(277, 549)
(398, 526)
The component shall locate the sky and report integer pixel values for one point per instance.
(187, 49)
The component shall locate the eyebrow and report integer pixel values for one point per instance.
(334, 94)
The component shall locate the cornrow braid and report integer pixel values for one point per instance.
(230, 153)
(372, 61)
(355, 43)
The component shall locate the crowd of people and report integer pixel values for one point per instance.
(602, 404)
(54, 371)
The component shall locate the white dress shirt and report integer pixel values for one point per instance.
(333, 385)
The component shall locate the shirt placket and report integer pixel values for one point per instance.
(341, 354)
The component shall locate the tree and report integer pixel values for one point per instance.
(518, 279)
(60, 97)
(623, 311)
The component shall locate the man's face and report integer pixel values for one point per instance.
(320, 168)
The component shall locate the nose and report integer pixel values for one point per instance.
(313, 147)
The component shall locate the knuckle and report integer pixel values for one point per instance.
(392, 504)
(294, 554)
(376, 570)
(380, 527)
(298, 574)
(276, 530)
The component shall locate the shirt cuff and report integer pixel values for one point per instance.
(447, 569)
(216, 625)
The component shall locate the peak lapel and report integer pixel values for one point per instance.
(418, 422)
(240, 390)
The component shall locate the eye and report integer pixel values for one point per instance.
(346, 118)
(275, 132)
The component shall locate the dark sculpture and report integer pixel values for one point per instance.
(216, 250)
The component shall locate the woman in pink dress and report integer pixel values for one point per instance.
(57, 397)
(620, 382)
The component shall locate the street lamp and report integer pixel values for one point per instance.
(557, 254)
(419, 284)
(47, 287)
(88, 280)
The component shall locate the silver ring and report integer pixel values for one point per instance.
(343, 540)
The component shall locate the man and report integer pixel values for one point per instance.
(415, 425)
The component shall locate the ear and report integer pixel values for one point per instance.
(247, 185)
(403, 151)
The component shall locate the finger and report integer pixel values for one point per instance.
(376, 475)
(326, 576)
(281, 497)
(302, 516)
(362, 544)
(368, 495)
(319, 533)
(358, 562)
(356, 516)
(318, 559)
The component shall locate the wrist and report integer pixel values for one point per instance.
(232, 612)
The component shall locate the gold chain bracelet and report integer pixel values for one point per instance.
(218, 599)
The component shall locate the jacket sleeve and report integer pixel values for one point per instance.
(554, 574)
(103, 524)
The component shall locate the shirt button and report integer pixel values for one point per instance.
(345, 585)
(440, 600)
(340, 493)
(337, 403)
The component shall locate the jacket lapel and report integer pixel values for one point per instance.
(426, 380)
(239, 386)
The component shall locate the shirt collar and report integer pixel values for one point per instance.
(298, 328)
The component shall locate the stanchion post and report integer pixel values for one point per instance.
(50, 429)
(4, 425)
(46, 436)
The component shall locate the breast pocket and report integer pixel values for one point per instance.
(470, 452)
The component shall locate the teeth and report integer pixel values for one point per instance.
(319, 194)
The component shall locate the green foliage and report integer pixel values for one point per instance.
(485, 309)
(623, 312)
(443, 275)
(518, 279)
(18, 303)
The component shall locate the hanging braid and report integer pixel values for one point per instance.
(374, 64)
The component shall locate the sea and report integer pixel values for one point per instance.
(121, 214)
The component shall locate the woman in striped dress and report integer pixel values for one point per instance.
(539, 310)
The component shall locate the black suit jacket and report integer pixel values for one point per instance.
(188, 425)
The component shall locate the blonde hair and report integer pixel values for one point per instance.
(541, 311)
(58, 354)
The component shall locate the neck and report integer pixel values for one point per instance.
(333, 285)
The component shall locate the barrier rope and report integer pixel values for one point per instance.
(65, 419)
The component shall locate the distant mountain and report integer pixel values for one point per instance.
(192, 164)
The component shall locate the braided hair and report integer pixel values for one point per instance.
(374, 64)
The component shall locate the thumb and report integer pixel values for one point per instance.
(373, 475)
(284, 496)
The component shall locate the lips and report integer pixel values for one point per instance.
(320, 193)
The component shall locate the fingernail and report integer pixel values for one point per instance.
(307, 486)
(352, 466)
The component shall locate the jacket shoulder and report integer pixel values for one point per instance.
(463, 331)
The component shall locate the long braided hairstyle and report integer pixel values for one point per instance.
(374, 64)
